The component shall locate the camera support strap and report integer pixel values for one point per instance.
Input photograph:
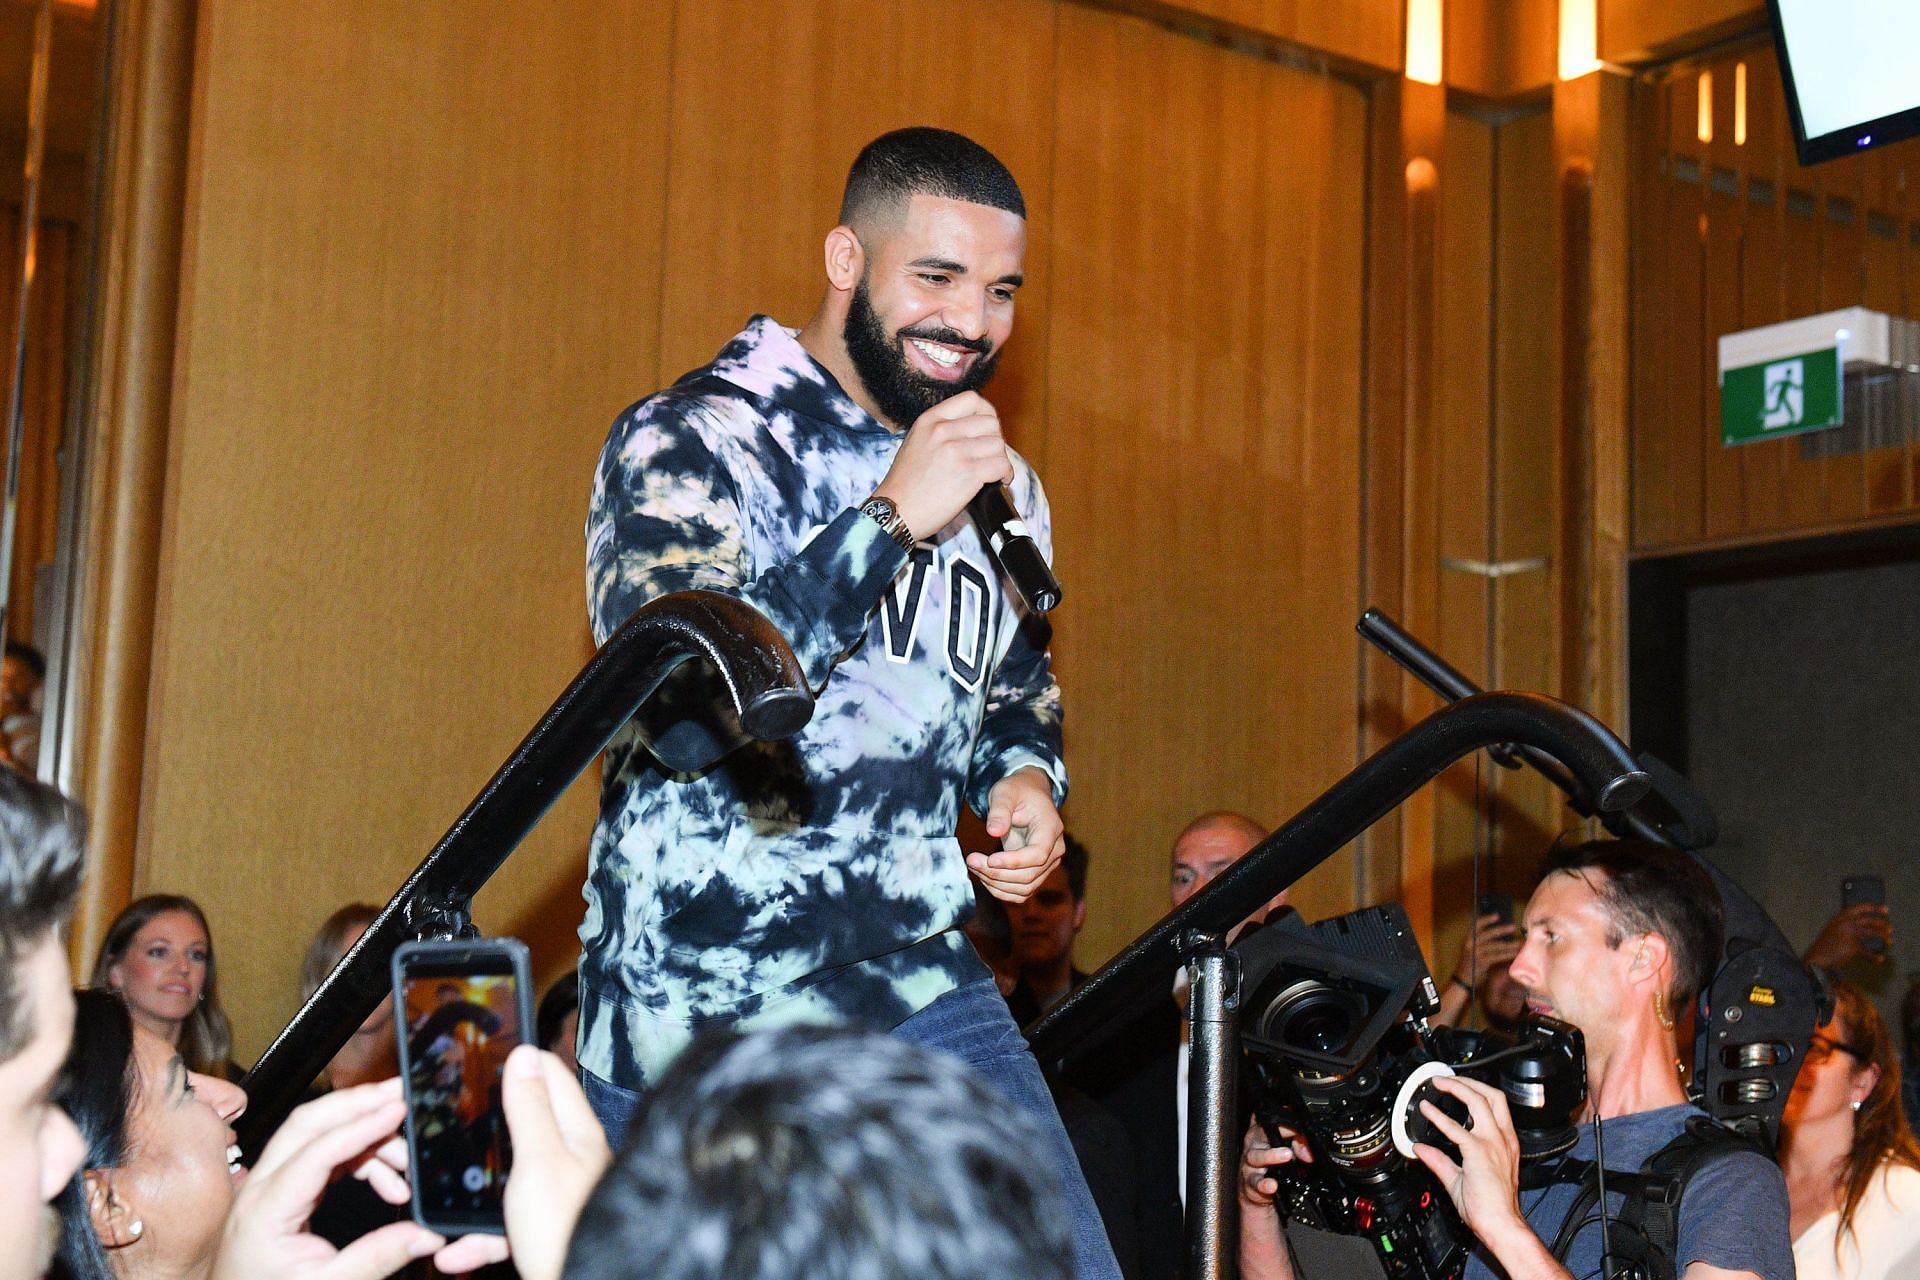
(1645, 1237)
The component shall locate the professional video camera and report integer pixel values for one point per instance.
(1335, 1029)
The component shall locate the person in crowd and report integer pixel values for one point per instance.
(155, 1195)
(158, 955)
(1140, 1075)
(160, 1167)
(1044, 927)
(815, 1153)
(1483, 975)
(1619, 935)
(42, 855)
(1852, 1164)
(822, 475)
(1862, 931)
(350, 1209)
(991, 933)
(371, 1054)
(557, 1022)
(23, 672)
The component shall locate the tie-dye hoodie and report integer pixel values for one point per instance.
(818, 878)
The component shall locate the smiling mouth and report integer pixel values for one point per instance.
(944, 359)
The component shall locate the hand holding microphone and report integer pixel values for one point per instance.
(955, 456)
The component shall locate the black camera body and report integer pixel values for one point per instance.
(1334, 1026)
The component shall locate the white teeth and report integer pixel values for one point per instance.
(939, 355)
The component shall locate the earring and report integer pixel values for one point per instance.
(1660, 1009)
(1856, 1104)
(135, 1227)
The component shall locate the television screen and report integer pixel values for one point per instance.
(1849, 68)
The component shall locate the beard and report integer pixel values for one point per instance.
(901, 392)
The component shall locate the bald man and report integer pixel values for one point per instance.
(1142, 1076)
(1209, 845)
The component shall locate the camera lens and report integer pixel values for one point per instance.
(1313, 1017)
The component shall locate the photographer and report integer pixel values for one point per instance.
(1619, 937)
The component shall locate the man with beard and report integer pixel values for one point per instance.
(821, 475)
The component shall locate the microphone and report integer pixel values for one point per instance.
(1019, 555)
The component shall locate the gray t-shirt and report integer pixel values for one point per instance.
(1733, 1215)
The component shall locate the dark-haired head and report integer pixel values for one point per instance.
(562, 998)
(204, 1036)
(42, 852)
(829, 1153)
(921, 161)
(97, 1088)
(1649, 888)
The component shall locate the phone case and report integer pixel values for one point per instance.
(466, 1024)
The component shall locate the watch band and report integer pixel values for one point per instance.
(887, 516)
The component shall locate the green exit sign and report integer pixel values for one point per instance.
(1782, 397)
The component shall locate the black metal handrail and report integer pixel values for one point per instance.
(1587, 748)
(769, 694)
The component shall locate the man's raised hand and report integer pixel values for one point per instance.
(950, 453)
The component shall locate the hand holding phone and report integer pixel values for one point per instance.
(1861, 890)
(460, 1007)
(1859, 928)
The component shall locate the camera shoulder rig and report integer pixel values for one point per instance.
(1645, 1235)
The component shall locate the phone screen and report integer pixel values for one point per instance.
(465, 1009)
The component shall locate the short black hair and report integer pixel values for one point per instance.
(42, 853)
(97, 1087)
(562, 998)
(1649, 888)
(1075, 862)
(897, 166)
(29, 655)
(832, 1153)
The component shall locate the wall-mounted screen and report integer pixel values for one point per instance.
(1849, 68)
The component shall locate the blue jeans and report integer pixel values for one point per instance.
(973, 1025)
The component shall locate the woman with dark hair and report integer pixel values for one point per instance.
(1852, 1165)
(158, 1179)
(159, 956)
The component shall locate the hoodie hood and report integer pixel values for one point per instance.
(766, 359)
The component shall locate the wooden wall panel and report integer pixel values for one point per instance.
(1634, 30)
(414, 241)
(42, 410)
(1888, 466)
(771, 102)
(1773, 241)
(1842, 268)
(1527, 628)
(1204, 353)
(1461, 485)
(1369, 32)
(1763, 268)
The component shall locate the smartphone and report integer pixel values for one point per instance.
(1857, 889)
(1494, 904)
(460, 1008)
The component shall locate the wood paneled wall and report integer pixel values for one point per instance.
(432, 250)
(1729, 235)
(44, 398)
(422, 273)
(1202, 446)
